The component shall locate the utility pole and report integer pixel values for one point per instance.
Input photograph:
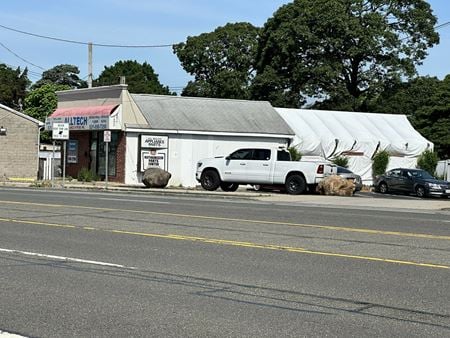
(90, 65)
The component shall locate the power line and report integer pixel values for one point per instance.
(21, 58)
(84, 43)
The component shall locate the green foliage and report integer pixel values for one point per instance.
(379, 163)
(66, 75)
(428, 161)
(324, 48)
(433, 119)
(405, 97)
(141, 78)
(13, 86)
(41, 102)
(295, 154)
(341, 161)
(86, 175)
(220, 61)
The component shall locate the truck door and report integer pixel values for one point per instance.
(260, 166)
(235, 169)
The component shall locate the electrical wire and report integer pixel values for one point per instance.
(85, 43)
(21, 58)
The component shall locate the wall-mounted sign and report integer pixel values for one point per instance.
(60, 131)
(152, 141)
(153, 158)
(72, 151)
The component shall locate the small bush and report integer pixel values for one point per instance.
(379, 163)
(86, 175)
(295, 154)
(341, 161)
(428, 161)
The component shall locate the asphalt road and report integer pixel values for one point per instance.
(116, 264)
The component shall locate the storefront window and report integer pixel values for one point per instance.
(112, 152)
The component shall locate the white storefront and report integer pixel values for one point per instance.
(181, 131)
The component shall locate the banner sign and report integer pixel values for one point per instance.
(155, 159)
(152, 141)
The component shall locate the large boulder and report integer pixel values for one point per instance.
(336, 185)
(156, 178)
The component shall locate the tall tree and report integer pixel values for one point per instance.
(405, 97)
(327, 48)
(433, 119)
(141, 78)
(13, 86)
(41, 102)
(221, 61)
(62, 75)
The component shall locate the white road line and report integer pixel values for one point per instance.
(67, 259)
(4, 334)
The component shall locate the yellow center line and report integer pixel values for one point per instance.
(235, 243)
(215, 218)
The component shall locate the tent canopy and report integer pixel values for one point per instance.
(357, 135)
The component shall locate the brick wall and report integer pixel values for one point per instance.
(120, 160)
(72, 169)
(19, 147)
(83, 138)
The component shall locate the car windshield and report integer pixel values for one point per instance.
(421, 174)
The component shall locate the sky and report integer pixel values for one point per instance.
(143, 22)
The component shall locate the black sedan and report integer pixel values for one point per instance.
(416, 181)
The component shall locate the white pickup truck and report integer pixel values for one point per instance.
(261, 166)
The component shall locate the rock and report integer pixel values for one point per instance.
(156, 178)
(336, 185)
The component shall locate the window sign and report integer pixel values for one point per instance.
(72, 151)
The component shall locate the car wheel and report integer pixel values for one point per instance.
(383, 188)
(210, 180)
(257, 187)
(295, 185)
(420, 191)
(226, 186)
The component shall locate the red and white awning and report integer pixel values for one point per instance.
(87, 118)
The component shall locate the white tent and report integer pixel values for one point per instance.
(358, 136)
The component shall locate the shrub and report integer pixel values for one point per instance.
(86, 175)
(379, 163)
(295, 154)
(428, 161)
(341, 161)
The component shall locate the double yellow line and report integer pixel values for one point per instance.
(238, 243)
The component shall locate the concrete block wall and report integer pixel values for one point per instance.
(19, 147)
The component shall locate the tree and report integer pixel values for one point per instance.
(428, 161)
(13, 86)
(221, 61)
(62, 75)
(141, 78)
(41, 102)
(326, 48)
(405, 97)
(433, 119)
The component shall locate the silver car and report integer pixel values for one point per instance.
(350, 175)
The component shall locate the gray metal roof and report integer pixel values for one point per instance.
(210, 115)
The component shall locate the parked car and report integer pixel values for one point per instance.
(271, 166)
(350, 175)
(415, 181)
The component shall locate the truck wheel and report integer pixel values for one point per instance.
(295, 185)
(210, 180)
(226, 186)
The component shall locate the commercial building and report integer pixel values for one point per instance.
(19, 145)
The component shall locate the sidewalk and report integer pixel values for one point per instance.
(359, 201)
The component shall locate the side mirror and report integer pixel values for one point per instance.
(228, 158)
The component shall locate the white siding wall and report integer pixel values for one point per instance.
(185, 150)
